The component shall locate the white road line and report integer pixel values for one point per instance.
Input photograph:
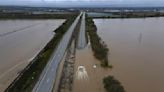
(48, 80)
(52, 69)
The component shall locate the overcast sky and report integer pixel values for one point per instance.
(84, 2)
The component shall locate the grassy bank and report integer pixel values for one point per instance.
(30, 75)
(112, 85)
(98, 46)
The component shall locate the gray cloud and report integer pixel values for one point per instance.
(83, 2)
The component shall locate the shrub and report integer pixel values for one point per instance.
(112, 85)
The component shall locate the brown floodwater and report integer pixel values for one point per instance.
(136, 52)
(92, 79)
(20, 41)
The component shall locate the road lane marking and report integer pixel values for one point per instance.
(48, 80)
(52, 69)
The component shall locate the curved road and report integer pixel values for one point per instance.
(47, 78)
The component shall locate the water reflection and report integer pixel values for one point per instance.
(140, 38)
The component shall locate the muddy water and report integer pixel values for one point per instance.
(136, 52)
(20, 41)
(91, 79)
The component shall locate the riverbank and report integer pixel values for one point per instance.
(29, 76)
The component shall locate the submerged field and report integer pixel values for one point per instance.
(20, 42)
(136, 51)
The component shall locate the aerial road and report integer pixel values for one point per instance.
(47, 78)
(82, 34)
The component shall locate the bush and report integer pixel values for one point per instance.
(112, 85)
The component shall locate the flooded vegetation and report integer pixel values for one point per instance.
(20, 42)
(112, 85)
(89, 72)
(98, 46)
(81, 46)
(136, 51)
(119, 52)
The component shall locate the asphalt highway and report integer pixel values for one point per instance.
(47, 78)
(82, 34)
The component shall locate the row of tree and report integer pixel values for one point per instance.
(98, 46)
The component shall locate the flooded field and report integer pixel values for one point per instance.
(20, 41)
(136, 52)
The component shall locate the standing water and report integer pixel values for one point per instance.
(20, 42)
(136, 52)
